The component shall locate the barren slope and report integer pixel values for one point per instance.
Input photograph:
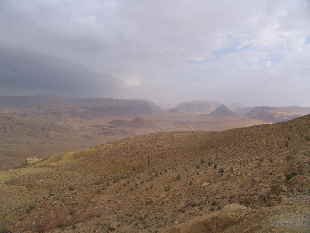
(46, 129)
(156, 182)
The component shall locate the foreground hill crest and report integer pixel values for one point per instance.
(163, 182)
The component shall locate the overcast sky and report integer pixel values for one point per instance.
(253, 52)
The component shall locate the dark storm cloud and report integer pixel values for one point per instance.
(200, 49)
(41, 53)
(22, 71)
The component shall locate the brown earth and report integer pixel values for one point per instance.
(38, 132)
(173, 182)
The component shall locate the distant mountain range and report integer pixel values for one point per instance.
(196, 107)
(49, 124)
(222, 111)
(80, 106)
(276, 114)
(96, 107)
(263, 113)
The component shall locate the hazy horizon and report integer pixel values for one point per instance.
(250, 52)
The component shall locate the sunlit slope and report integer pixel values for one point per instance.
(156, 182)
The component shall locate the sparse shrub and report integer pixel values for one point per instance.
(290, 175)
(213, 203)
(61, 225)
(167, 188)
(71, 212)
(307, 153)
(178, 177)
(202, 161)
(275, 189)
(110, 229)
(29, 208)
(31, 161)
(221, 171)
(289, 158)
(286, 144)
(197, 167)
(307, 137)
(190, 182)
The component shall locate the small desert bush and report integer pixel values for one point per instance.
(167, 188)
(29, 208)
(291, 175)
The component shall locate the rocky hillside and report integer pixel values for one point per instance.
(246, 180)
(42, 125)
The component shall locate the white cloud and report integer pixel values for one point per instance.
(132, 81)
(173, 44)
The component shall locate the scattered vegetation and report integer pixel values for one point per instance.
(113, 185)
(291, 175)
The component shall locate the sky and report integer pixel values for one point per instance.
(233, 51)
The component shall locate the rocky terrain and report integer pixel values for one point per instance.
(41, 125)
(36, 126)
(251, 180)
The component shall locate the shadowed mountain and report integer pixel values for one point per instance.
(31, 101)
(276, 114)
(88, 107)
(222, 111)
(195, 107)
(245, 180)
